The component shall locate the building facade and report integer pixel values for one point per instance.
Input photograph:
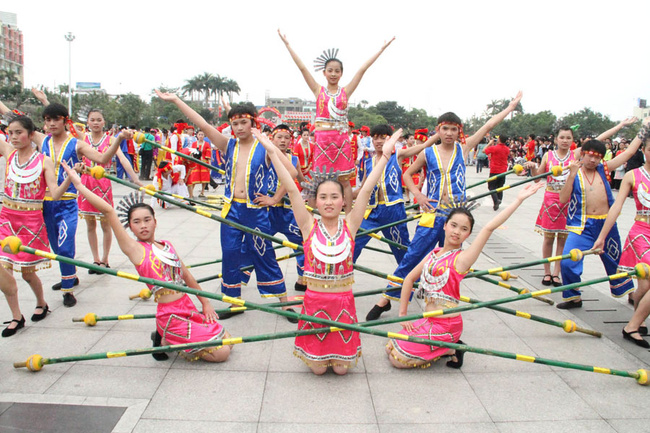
(11, 47)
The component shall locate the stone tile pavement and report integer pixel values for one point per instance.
(263, 388)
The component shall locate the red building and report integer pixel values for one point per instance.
(11, 47)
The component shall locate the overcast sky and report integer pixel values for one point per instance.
(447, 56)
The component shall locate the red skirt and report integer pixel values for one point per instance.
(637, 247)
(29, 227)
(446, 329)
(331, 346)
(198, 174)
(101, 187)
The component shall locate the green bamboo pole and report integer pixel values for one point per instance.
(517, 168)
(515, 289)
(555, 171)
(140, 138)
(379, 250)
(196, 265)
(575, 255)
(36, 362)
(190, 200)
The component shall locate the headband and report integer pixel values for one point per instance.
(461, 134)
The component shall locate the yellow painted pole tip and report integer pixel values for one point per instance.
(557, 170)
(569, 326)
(33, 363)
(576, 255)
(642, 271)
(518, 169)
(11, 245)
(90, 319)
(524, 291)
(151, 187)
(139, 137)
(643, 377)
(506, 275)
(97, 172)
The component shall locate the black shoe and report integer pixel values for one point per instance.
(496, 205)
(41, 316)
(8, 332)
(58, 285)
(556, 281)
(460, 355)
(92, 271)
(229, 314)
(300, 287)
(627, 336)
(69, 300)
(569, 305)
(376, 312)
(547, 280)
(292, 319)
(643, 330)
(157, 342)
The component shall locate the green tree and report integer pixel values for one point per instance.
(591, 122)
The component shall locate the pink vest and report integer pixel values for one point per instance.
(328, 259)
(332, 108)
(25, 183)
(557, 182)
(440, 281)
(160, 264)
(101, 147)
(641, 191)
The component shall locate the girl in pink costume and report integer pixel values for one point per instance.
(332, 149)
(637, 243)
(177, 319)
(329, 247)
(27, 175)
(440, 274)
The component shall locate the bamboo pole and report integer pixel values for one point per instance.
(139, 138)
(517, 169)
(555, 171)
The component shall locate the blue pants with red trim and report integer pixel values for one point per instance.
(270, 281)
(61, 217)
(382, 215)
(571, 271)
(424, 241)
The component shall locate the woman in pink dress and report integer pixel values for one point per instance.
(332, 148)
(27, 175)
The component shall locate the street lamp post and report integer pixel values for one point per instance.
(69, 37)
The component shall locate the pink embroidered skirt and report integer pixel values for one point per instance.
(552, 215)
(179, 322)
(637, 247)
(331, 346)
(333, 150)
(29, 227)
(101, 187)
(446, 329)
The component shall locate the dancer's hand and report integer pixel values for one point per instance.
(210, 315)
(389, 146)
(529, 190)
(629, 121)
(386, 44)
(599, 245)
(264, 140)
(574, 166)
(264, 200)
(283, 37)
(424, 202)
(169, 97)
(408, 326)
(71, 173)
(513, 104)
(40, 95)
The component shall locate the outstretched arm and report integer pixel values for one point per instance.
(41, 96)
(621, 159)
(309, 78)
(407, 152)
(466, 259)
(491, 124)
(627, 122)
(128, 245)
(128, 167)
(304, 219)
(352, 86)
(614, 212)
(87, 150)
(216, 137)
(355, 217)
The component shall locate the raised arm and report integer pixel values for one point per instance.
(304, 219)
(352, 86)
(216, 137)
(41, 96)
(128, 245)
(92, 154)
(355, 217)
(407, 152)
(627, 122)
(491, 124)
(309, 78)
(621, 159)
(466, 259)
(615, 211)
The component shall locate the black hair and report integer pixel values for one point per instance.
(383, 129)
(282, 127)
(163, 164)
(462, 211)
(531, 136)
(449, 117)
(333, 59)
(564, 128)
(407, 136)
(594, 146)
(147, 129)
(55, 110)
(244, 108)
(503, 139)
(25, 122)
(333, 181)
(95, 110)
(136, 207)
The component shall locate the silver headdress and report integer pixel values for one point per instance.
(444, 209)
(83, 113)
(126, 204)
(321, 61)
(9, 116)
(318, 177)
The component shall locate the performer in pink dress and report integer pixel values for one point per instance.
(329, 247)
(637, 243)
(440, 274)
(332, 148)
(28, 173)
(177, 319)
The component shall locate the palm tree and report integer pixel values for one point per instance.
(230, 87)
(216, 87)
(205, 81)
(191, 87)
